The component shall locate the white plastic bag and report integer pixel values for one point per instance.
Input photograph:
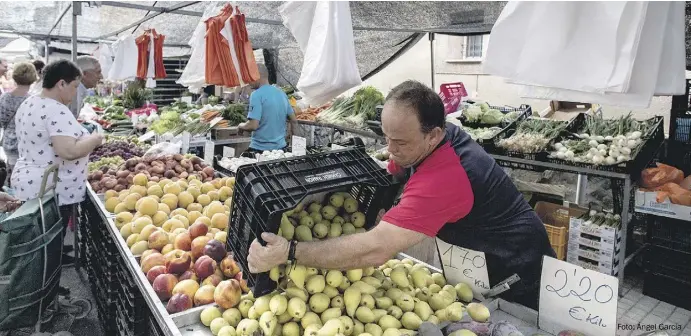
(163, 148)
(329, 67)
(585, 46)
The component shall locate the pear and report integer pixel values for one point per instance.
(374, 282)
(367, 301)
(252, 314)
(315, 284)
(434, 288)
(331, 292)
(454, 312)
(297, 308)
(285, 317)
(331, 313)
(347, 325)
(312, 330)
(331, 328)
(423, 294)
(344, 284)
(379, 293)
(352, 297)
(399, 276)
(373, 329)
(247, 327)
(244, 307)
(388, 321)
(364, 315)
(309, 319)
(298, 275)
(319, 302)
(275, 274)
(354, 275)
(303, 233)
(394, 293)
(464, 292)
(358, 328)
(287, 228)
(433, 319)
(406, 303)
(395, 311)
(291, 329)
(423, 310)
(294, 292)
(334, 278)
(314, 207)
(442, 315)
(420, 277)
(383, 302)
(261, 304)
(478, 312)
(451, 291)
(407, 332)
(440, 300)
(364, 287)
(232, 316)
(268, 322)
(439, 279)
(391, 332)
(337, 302)
(462, 332)
(312, 271)
(378, 313)
(278, 304)
(411, 321)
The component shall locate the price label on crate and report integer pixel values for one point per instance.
(228, 152)
(299, 145)
(209, 151)
(574, 298)
(464, 265)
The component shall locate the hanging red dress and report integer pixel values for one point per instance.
(243, 48)
(158, 55)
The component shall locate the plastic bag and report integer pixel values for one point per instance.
(163, 148)
(652, 178)
(324, 32)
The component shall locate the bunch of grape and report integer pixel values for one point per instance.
(111, 162)
(126, 138)
(123, 149)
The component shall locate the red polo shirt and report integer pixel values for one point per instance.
(438, 192)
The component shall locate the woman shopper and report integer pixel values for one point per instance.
(48, 134)
(24, 75)
(37, 86)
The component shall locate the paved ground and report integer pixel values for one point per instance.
(637, 311)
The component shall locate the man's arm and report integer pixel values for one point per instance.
(360, 250)
(254, 115)
(292, 124)
(250, 125)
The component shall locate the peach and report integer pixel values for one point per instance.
(163, 286)
(179, 303)
(204, 295)
(198, 229)
(198, 245)
(227, 294)
(229, 267)
(183, 242)
(158, 240)
(180, 264)
(242, 282)
(147, 253)
(167, 248)
(204, 266)
(187, 287)
(153, 259)
(155, 272)
(188, 275)
(213, 279)
(215, 249)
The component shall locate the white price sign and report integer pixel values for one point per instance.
(147, 136)
(186, 99)
(574, 298)
(185, 142)
(209, 151)
(464, 265)
(228, 152)
(299, 145)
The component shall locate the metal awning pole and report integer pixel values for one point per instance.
(76, 11)
(431, 56)
(47, 50)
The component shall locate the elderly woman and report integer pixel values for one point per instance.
(49, 134)
(24, 75)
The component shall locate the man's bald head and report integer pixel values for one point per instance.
(263, 76)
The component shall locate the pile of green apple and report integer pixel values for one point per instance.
(393, 299)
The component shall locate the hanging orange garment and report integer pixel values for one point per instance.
(142, 54)
(158, 56)
(219, 64)
(243, 48)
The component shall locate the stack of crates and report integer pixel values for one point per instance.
(668, 261)
(121, 306)
(594, 247)
(263, 191)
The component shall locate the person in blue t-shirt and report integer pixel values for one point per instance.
(269, 111)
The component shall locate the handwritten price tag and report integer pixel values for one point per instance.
(574, 298)
(209, 151)
(299, 145)
(228, 152)
(464, 265)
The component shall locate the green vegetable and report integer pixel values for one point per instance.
(492, 117)
(235, 114)
(365, 101)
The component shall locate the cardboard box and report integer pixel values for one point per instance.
(646, 202)
(556, 220)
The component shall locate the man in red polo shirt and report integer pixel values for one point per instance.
(454, 191)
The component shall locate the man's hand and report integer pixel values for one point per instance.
(263, 258)
(8, 203)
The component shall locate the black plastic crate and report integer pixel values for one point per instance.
(671, 233)
(572, 125)
(679, 156)
(683, 102)
(263, 191)
(641, 157)
(507, 129)
(665, 261)
(668, 289)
